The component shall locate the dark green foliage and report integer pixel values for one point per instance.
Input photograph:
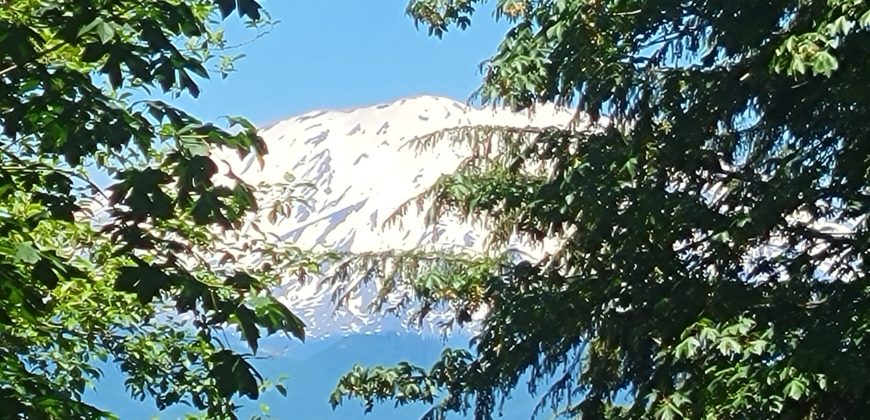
(711, 214)
(127, 277)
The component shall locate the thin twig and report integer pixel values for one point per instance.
(34, 167)
(42, 54)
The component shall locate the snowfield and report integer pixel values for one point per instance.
(361, 166)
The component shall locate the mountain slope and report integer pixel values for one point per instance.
(360, 166)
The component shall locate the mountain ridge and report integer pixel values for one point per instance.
(358, 168)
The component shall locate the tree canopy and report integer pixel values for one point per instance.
(710, 204)
(131, 276)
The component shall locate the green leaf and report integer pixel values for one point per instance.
(25, 252)
(728, 346)
(795, 389)
(825, 63)
(226, 7)
(274, 316)
(233, 374)
(722, 236)
(145, 280)
(104, 31)
(798, 66)
(241, 281)
(206, 206)
(244, 198)
(630, 166)
(249, 8)
(90, 26)
(195, 146)
(843, 25)
(281, 389)
(43, 271)
(687, 348)
(247, 322)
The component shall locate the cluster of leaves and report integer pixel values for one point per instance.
(131, 277)
(713, 230)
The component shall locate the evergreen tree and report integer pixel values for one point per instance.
(710, 204)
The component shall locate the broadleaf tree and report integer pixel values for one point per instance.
(144, 275)
(710, 207)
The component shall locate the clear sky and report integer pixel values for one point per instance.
(341, 54)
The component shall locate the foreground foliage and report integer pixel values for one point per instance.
(711, 213)
(125, 277)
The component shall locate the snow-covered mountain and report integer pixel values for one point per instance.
(361, 166)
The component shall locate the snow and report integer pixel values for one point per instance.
(362, 165)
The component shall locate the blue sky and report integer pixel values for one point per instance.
(342, 54)
(334, 54)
